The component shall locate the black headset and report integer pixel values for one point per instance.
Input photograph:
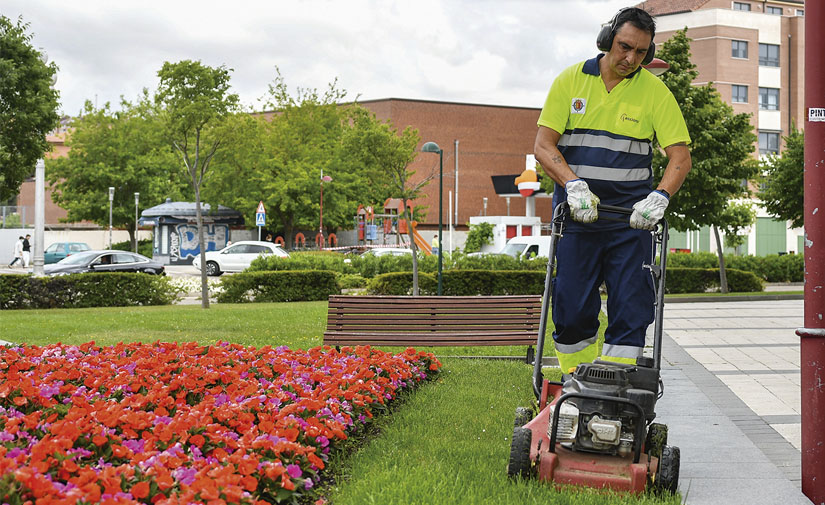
(605, 39)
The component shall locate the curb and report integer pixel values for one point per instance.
(733, 298)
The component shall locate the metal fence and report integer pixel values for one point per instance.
(13, 216)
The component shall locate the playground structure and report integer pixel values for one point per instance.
(368, 224)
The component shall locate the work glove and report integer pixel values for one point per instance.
(648, 212)
(581, 201)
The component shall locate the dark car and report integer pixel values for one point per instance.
(60, 250)
(105, 261)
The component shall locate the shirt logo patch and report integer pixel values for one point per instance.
(624, 117)
(578, 106)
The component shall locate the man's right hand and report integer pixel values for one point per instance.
(582, 201)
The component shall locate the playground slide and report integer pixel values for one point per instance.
(419, 240)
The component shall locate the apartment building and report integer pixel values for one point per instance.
(753, 52)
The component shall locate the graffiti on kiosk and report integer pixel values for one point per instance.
(214, 235)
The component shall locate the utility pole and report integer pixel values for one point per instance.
(812, 336)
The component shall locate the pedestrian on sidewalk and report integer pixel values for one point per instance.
(27, 251)
(595, 140)
(18, 252)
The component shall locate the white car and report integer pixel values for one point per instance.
(237, 257)
(389, 251)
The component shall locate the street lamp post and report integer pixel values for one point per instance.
(137, 198)
(111, 197)
(432, 147)
(324, 178)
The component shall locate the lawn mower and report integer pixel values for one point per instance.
(596, 428)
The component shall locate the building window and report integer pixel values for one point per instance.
(800, 12)
(739, 93)
(741, 6)
(768, 99)
(768, 142)
(769, 55)
(776, 11)
(739, 49)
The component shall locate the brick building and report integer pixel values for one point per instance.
(753, 52)
(477, 140)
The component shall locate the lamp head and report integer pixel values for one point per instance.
(430, 147)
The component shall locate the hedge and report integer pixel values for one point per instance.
(701, 280)
(278, 286)
(771, 268)
(461, 283)
(100, 289)
(524, 282)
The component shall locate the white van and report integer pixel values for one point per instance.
(528, 247)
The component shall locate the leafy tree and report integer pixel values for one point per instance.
(480, 235)
(279, 160)
(737, 217)
(195, 99)
(722, 143)
(783, 188)
(28, 105)
(382, 149)
(126, 150)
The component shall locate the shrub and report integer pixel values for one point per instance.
(85, 290)
(499, 262)
(309, 260)
(771, 268)
(279, 286)
(701, 280)
(351, 281)
(480, 234)
(461, 283)
(144, 247)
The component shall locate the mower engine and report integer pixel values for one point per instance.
(592, 420)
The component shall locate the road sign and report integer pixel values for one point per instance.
(260, 215)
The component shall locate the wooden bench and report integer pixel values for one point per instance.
(433, 321)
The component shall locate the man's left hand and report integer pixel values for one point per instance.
(648, 212)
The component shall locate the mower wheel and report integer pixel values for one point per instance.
(667, 478)
(656, 439)
(520, 464)
(523, 416)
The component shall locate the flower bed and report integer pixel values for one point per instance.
(172, 423)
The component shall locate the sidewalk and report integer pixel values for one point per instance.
(731, 400)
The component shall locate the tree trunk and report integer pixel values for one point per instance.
(204, 281)
(133, 238)
(413, 246)
(723, 278)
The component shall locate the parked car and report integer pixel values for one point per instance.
(105, 261)
(237, 257)
(60, 250)
(389, 251)
(528, 246)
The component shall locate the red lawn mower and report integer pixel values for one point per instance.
(596, 428)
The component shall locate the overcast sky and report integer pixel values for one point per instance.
(475, 51)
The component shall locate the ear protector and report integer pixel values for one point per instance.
(604, 41)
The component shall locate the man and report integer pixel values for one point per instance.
(27, 251)
(595, 141)
(18, 252)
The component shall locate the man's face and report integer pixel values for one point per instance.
(630, 45)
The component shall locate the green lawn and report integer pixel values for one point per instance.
(447, 443)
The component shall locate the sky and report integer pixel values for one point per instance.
(504, 52)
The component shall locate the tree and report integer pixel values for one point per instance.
(28, 105)
(782, 189)
(722, 143)
(126, 150)
(737, 217)
(280, 157)
(378, 145)
(195, 100)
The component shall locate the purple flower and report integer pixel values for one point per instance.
(322, 440)
(135, 446)
(184, 475)
(294, 471)
(47, 391)
(308, 484)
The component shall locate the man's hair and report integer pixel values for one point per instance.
(638, 18)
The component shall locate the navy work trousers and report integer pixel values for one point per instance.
(616, 257)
